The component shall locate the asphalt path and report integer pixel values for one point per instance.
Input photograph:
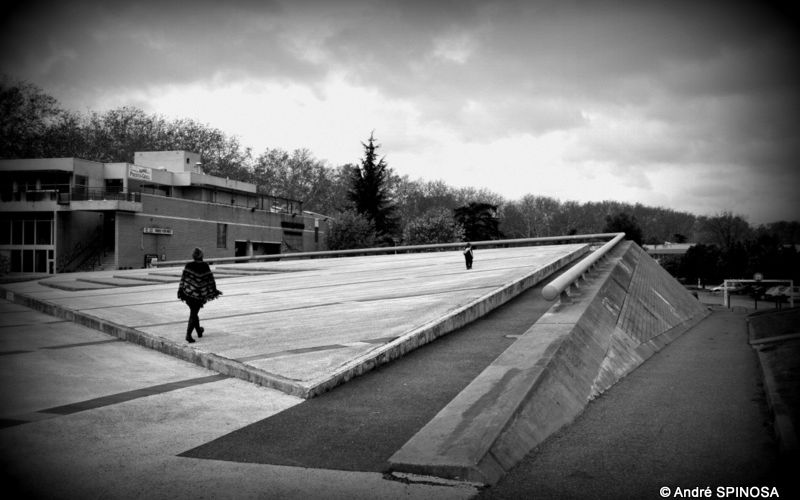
(84, 415)
(693, 416)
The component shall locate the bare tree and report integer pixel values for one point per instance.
(724, 230)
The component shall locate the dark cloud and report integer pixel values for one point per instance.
(117, 43)
(637, 85)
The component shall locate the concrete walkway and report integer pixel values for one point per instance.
(301, 326)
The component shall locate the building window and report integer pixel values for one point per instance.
(222, 235)
(81, 184)
(44, 232)
(40, 261)
(26, 231)
(16, 232)
(114, 185)
(5, 232)
(29, 233)
(27, 261)
(16, 261)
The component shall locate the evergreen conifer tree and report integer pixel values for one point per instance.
(369, 191)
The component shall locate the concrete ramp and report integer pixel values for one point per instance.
(301, 326)
(626, 310)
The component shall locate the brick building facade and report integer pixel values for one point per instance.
(68, 214)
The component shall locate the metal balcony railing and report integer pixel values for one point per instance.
(100, 194)
(32, 192)
(63, 193)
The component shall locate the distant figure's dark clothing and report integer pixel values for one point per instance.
(196, 288)
(468, 256)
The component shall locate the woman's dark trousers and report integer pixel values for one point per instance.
(194, 317)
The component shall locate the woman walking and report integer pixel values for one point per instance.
(197, 287)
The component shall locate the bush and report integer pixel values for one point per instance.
(350, 230)
(434, 226)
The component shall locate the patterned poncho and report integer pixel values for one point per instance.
(197, 283)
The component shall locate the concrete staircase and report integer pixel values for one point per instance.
(108, 262)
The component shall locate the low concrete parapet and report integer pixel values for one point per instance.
(626, 309)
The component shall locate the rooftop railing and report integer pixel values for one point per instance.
(548, 240)
(560, 285)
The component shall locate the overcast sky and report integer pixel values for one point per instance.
(689, 105)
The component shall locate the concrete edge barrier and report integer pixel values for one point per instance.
(439, 327)
(542, 382)
(115, 282)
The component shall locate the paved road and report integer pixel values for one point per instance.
(694, 415)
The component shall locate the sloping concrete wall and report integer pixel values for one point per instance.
(626, 309)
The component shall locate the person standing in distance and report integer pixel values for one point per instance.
(196, 288)
(468, 255)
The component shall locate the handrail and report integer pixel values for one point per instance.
(98, 194)
(82, 251)
(397, 249)
(558, 285)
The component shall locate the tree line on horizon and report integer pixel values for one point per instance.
(368, 202)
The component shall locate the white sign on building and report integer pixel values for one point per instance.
(157, 230)
(140, 173)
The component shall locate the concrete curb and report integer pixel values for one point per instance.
(546, 378)
(784, 427)
(782, 422)
(785, 431)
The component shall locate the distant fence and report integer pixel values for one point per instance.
(549, 240)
